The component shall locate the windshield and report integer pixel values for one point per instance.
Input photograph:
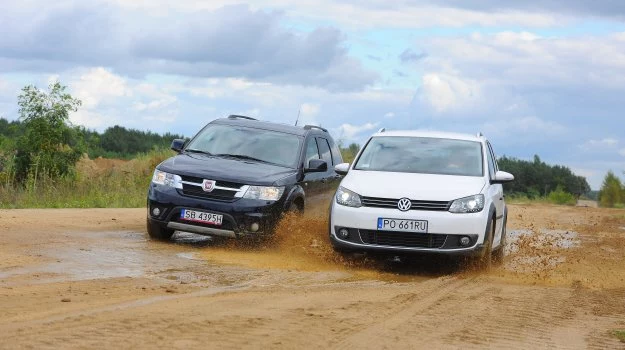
(247, 143)
(422, 155)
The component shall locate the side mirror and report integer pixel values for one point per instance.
(177, 144)
(316, 166)
(501, 177)
(342, 168)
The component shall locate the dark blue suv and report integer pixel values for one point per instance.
(238, 175)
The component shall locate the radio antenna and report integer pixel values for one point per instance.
(298, 112)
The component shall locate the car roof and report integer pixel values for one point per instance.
(431, 134)
(257, 124)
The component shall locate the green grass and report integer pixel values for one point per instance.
(519, 199)
(619, 334)
(120, 187)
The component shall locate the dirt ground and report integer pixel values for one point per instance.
(72, 278)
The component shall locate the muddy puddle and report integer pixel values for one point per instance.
(98, 255)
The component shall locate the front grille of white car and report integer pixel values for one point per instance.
(402, 239)
(416, 205)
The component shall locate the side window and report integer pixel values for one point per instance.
(494, 157)
(336, 154)
(491, 161)
(311, 151)
(324, 149)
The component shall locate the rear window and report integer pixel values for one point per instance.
(422, 155)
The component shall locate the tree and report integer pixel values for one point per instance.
(611, 191)
(48, 146)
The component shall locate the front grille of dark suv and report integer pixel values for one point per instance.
(416, 205)
(192, 186)
(402, 239)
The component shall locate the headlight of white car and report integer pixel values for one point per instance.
(167, 179)
(265, 193)
(471, 204)
(348, 198)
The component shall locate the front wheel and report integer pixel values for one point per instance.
(158, 232)
(486, 260)
(498, 255)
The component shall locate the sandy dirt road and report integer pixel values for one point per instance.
(91, 279)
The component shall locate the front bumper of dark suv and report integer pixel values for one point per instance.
(241, 217)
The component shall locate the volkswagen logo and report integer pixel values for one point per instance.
(404, 204)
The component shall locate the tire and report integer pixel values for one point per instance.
(159, 233)
(486, 260)
(498, 255)
(295, 209)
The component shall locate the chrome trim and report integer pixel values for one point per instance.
(215, 187)
(201, 230)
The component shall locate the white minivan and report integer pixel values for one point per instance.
(421, 191)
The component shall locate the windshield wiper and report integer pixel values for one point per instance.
(242, 156)
(198, 151)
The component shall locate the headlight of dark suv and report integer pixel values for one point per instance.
(167, 179)
(471, 204)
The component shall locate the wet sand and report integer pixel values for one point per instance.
(72, 278)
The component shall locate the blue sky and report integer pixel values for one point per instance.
(537, 77)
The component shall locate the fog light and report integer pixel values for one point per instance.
(156, 212)
(464, 241)
(254, 227)
(343, 233)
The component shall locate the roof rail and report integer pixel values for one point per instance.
(235, 116)
(479, 134)
(308, 127)
(382, 130)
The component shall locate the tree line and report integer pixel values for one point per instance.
(536, 179)
(115, 142)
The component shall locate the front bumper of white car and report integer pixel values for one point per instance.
(444, 234)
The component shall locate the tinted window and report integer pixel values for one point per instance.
(268, 146)
(336, 154)
(422, 155)
(311, 150)
(324, 149)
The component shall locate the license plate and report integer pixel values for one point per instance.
(200, 216)
(386, 224)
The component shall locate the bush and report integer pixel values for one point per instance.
(611, 191)
(122, 186)
(559, 196)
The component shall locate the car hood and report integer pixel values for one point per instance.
(414, 186)
(225, 169)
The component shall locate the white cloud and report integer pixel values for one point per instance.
(109, 99)
(350, 132)
(446, 92)
(599, 144)
(99, 85)
(622, 152)
(389, 115)
(526, 127)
